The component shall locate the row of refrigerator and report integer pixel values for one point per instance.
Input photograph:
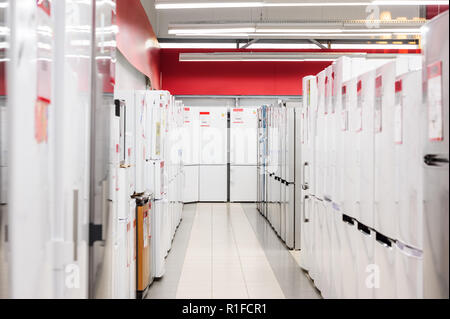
(219, 154)
(278, 160)
(370, 174)
(91, 177)
(147, 169)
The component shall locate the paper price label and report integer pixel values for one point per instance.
(378, 104)
(145, 228)
(359, 109)
(435, 105)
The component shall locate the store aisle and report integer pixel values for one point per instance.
(226, 251)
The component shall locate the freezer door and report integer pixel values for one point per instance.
(191, 186)
(290, 216)
(213, 183)
(242, 183)
(436, 156)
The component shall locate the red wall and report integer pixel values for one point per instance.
(434, 10)
(237, 78)
(135, 35)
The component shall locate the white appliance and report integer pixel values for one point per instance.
(364, 128)
(435, 156)
(191, 154)
(307, 171)
(290, 174)
(213, 154)
(243, 154)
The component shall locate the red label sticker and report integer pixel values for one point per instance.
(434, 70)
(44, 5)
(238, 110)
(187, 109)
(378, 82)
(398, 86)
(204, 113)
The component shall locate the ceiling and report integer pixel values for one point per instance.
(280, 17)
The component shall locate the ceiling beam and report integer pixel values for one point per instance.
(320, 45)
(249, 43)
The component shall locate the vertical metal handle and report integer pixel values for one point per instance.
(75, 224)
(305, 185)
(306, 220)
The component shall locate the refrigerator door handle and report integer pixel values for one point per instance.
(305, 185)
(306, 220)
(434, 160)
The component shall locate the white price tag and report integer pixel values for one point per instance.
(435, 105)
(398, 113)
(378, 104)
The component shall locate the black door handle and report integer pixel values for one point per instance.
(434, 160)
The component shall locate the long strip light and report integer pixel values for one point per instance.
(263, 56)
(277, 46)
(260, 4)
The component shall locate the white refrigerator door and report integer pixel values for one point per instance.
(409, 162)
(384, 163)
(243, 136)
(213, 135)
(366, 150)
(213, 183)
(435, 154)
(191, 136)
(191, 186)
(242, 183)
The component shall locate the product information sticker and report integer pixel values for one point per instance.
(359, 108)
(435, 111)
(378, 104)
(344, 112)
(398, 113)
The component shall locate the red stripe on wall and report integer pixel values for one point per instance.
(239, 78)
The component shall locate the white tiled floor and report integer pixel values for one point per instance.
(224, 259)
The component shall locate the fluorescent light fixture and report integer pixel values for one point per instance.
(263, 56)
(181, 45)
(161, 5)
(211, 31)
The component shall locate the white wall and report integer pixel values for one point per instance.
(127, 76)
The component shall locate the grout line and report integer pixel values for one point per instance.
(237, 248)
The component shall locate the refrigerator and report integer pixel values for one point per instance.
(105, 154)
(243, 154)
(306, 169)
(435, 158)
(213, 154)
(38, 154)
(4, 243)
(292, 225)
(191, 153)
